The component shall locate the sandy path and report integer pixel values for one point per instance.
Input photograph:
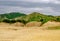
(29, 34)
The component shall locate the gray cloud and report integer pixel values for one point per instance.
(28, 4)
(28, 7)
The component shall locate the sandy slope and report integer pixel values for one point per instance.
(28, 34)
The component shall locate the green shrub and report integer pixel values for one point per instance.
(12, 21)
(6, 20)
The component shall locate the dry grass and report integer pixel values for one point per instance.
(33, 24)
(15, 33)
(51, 24)
(28, 34)
(2, 24)
(18, 24)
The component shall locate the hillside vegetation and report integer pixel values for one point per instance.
(21, 17)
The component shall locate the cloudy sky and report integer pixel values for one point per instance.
(50, 7)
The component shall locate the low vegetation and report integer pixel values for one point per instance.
(21, 17)
(54, 28)
(27, 20)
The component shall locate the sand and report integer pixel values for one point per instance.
(28, 34)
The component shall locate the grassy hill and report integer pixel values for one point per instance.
(21, 17)
(12, 15)
(35, 16)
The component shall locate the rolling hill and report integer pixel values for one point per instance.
(12, 15)
(35, 16)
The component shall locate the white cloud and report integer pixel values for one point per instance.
(57, 2)
(44, 1)
(41, 1)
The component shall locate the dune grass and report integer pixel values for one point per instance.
(54, 28)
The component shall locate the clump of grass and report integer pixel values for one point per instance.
(54, 28)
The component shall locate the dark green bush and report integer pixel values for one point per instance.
(6, 20)
(12, 21)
